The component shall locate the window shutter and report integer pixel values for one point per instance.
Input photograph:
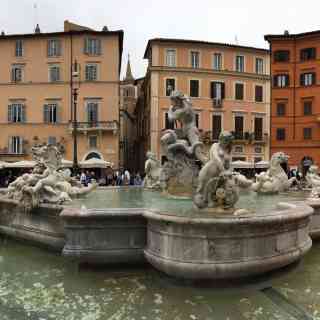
(58, 113)
(275, 81)
(57, 73)
(46, 113)
(287, 80)
(21, 145)
(99, 46)
(301, 79)
(222, 90)
(48, 48)
(59, 47)
(96, 112)
(313, 78)
(9, 113)
(86, 45)
(13, 78)
(213, 90)
(10, 149)
(23, 113)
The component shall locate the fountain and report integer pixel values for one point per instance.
(200, 226)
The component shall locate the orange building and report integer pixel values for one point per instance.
(36, 83)
(295, 111)
(228, 86)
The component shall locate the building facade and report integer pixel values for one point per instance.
(228, 86)
(36, 86)
(295, 95)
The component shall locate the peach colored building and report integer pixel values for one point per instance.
(228, 86)
(36, 92)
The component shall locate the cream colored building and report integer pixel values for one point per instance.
(229, 86)
(36, 92)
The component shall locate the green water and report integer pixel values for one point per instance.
(140, 198)
(35, 284)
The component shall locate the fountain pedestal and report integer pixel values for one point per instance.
(224, 247)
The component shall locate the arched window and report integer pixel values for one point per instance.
(93, 155)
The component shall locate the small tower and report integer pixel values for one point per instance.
(37, 29)
(129, 77)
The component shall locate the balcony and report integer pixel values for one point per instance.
(217, 102)
(85, 127)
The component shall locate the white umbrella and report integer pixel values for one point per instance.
(262, 164)
(66, 163)
(2, 164)
(20, 164)
(94, 163)
(241, 164)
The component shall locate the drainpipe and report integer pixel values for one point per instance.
(71, 78)
(294, 89)
(271, 102)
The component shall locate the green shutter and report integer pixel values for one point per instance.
(46, 113)
(9, 113)
(86, 46)
(23, 113)
(99, 47)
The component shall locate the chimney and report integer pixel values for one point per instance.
(286, 32)
(105, 29)
(37, 29)
(3, 33)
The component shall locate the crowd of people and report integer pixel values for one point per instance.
(112, 178)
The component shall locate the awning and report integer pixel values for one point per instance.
(20, 164)
(95, 163)
(241, 164)
(2, 164)
(262, 164)
(66, 163)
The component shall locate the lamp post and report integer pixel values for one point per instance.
(76, 85)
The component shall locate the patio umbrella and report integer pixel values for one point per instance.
(94, 163)
(241, 164)
(20, 164)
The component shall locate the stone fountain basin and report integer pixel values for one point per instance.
(227, 247)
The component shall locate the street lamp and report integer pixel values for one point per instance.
(75, 89)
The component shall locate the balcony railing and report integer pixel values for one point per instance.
(96, 125)
(6, 152)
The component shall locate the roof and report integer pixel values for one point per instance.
(287, 36)
(199, 42)
(118, 33)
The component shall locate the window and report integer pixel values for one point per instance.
(16, 73)
(307, 79)
(257, 159)
(195, 59)
(281, 80)
(259, 66)
(281, 109)
(197, 117)
(168, 124)
(92, 46)
(307, 108)
(217, 90)
(54, 73)
(238, 126)
(170, 86)
(216, 126)
(19, 48)
(217, 61)
(240, 63)
(93, 142)
(257, 150)
(239, 91)
(238, 149)
(307, 133)
(54, 48)
(92, 113)
(16, 145)
(16, 112)
(259, 93)
(52, 140)
(50, 113)
(171, 57)
(281, 134)
(281, 56)
(194, 88)
(91, 72)
(307, 54)
(258, 128)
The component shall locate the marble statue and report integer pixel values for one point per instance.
(313, 180)
(47, 183)
(275, 179)
(218, 185)
(182, 148)
(152, 170)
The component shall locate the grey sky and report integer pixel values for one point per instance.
(210, 20)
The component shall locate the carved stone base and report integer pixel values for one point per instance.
(179, 176)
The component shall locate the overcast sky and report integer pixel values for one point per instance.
(209, 20)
